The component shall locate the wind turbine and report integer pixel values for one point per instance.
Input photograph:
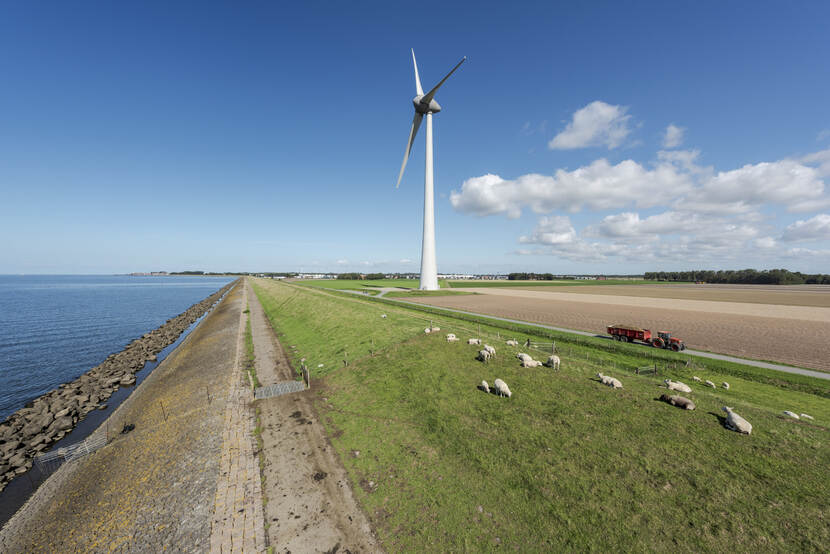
(425, 104)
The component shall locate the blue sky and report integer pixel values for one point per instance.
(267, 136)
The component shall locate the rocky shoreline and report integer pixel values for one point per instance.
(32, 429)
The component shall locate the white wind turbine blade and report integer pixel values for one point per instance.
(428, 96)
(418, 88)
(416, 122)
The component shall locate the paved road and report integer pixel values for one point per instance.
(702, 354)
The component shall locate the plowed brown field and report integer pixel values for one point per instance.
(790, 334)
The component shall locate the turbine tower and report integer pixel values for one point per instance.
(425, 104)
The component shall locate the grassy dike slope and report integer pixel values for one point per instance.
(565, 463)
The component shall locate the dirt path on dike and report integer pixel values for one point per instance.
(154, 488)
(310, 506)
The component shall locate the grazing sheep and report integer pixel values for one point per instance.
(725, 385)
(709, 383)
(512, 342)
(791, 414)
(553, 361)
(427, 330)
(474, 341)
(805, 416)
(436, 329)
(531, 363)
(522, 356)
(483, 356)
(696, 378)
(677, 385)
(734, 422)
(610, 381)
(451, 337)
(483, 386)
(678, 401)
(383, 316)
(501, 388)
(490, 349)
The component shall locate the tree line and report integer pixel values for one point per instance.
(367, 276)
(742, 277)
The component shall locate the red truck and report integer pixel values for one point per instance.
(626, 333)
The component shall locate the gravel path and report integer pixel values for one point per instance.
(152, 489)
(310, 505)
(265, 342)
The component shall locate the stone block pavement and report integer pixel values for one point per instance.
(238, 521)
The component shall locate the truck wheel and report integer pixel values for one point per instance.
(675, 347)
(658, 343)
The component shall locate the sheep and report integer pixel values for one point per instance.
(531, 363)
(696, 378)
(490, 349)
(677, 385)
(484, 387)
(451, 337)
(512, 342)
(553, 361)
(805, 416)
(483, 356)
(427, 330)
(709, 383)
(501, 388)
(522, 356)
(736, 423)
(678, 401)
(610, 381)
(383, 316)
(791, 414)
(474, 341)
(725, 385)
(436, 329)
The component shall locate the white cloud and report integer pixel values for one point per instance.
(597, 124)
(552, 230)
(815, 228)
(766, 243)
(629, 224)
(405, 261)
(599, 186)
(673, 137)
(342, 262)
(822, 159)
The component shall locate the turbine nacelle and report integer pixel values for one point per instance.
(425, 107)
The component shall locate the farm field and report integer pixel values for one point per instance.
(795, 335)
(795, 295)
(364, 284)
(562, 283)
(566, 463)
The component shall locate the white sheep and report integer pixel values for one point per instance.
(512, 342)
(805, 416)
(383, 316)
(427, 330)
(553, 361)
(483, 386)
(474, 341)
(696, 378)
(501, 388)
(725, 385)
(610, 381)
(436, 329)
(522, 356)
(490, 349)
(677, 385)
(483, 356)
(791, 414)
(734, 422)
(451, 337)
(709, 383)
(531, 363)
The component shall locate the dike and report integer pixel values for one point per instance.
(45, 420)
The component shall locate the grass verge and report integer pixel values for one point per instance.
(566, 463)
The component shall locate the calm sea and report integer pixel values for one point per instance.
(53, 328)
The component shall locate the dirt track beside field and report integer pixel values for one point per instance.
(795, 335)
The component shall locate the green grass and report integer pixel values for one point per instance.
(566, 463)
(562, 283)
(352, 284)
(250, 361)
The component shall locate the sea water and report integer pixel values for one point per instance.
(53, 328)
